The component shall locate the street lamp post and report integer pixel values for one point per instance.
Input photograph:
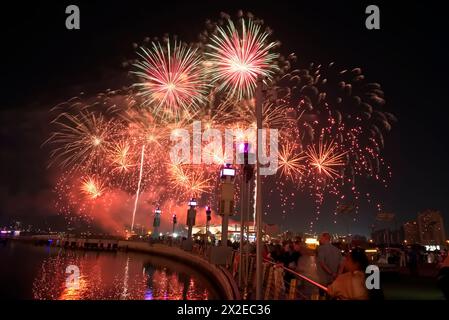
(208, 218)
(220, 255)
(156, 222)
(227, 175)
(191, 215)
(259, 192)
(175, 221)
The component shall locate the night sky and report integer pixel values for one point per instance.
(43, 64)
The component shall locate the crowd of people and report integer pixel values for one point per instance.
(343, 276)
(343, 272)
(410, 257)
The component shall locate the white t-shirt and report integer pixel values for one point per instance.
(349, 286)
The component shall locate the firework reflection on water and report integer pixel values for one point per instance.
(108, 276)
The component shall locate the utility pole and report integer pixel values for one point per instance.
(259, 192)
(242, 221)
(247, 177)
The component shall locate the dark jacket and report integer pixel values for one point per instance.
(443, 281)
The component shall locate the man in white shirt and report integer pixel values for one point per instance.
(329, 259)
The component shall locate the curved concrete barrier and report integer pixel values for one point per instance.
(218, 276)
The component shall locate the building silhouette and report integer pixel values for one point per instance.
(431, 228)
(411, 232)
(427, 229)
(388, 237)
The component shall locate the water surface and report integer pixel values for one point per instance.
(39, 272)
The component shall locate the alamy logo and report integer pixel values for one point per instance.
(73, 20)
(207, 147)
(73, 280)
(373, 279)
(372, 22)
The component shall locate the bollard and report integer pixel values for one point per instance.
(292, 292)
(278, 282)
(269, 282)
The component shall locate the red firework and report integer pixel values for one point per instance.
(172, 81)
(238, 58)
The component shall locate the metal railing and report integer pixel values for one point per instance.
(279, 282)
(285, 283)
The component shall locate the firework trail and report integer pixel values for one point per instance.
(138, 186)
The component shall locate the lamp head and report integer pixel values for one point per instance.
(193, 202)
(227, 171)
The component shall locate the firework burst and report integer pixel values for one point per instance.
(291, 162)
(331, 124)
(189, 181)
(172, 82)
(81, 139)
(92, 187)
(325, 158)
(238, 56)
(121, 157)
